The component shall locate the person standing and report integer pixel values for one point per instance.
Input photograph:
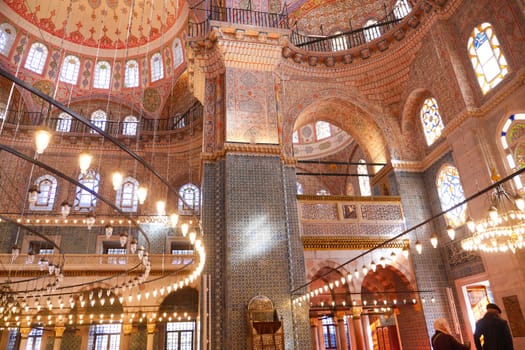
(492, 332)
(443, 338)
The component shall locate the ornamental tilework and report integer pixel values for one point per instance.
(325, 211)
(351, 229)
(383, 212)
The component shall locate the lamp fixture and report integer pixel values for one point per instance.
(142, 193)
(504, 227)
(161, 208)
(42, 138)
(451, 232)
(65, 209)
(90, 221)
(434, 240)
(419, 247)
(117, 180)
(84, 161)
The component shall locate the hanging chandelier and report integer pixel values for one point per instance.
(504, 227)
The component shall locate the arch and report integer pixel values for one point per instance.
(7, 38)
(47, 187)
(131, 74)
(511, 143)
(102, 75)
(70, 69)
(85, 201)
(450, 193)
(126, 198)
(99, 119)
(191, 195)
(129, 127)
(178, 55)
(64, 122)
(36, 58)
(157, 67)
(346, 116)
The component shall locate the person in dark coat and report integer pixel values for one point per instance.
(492, 332)
(443, 338)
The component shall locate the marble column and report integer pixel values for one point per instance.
(59, 332)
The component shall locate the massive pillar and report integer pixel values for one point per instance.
(249, 210)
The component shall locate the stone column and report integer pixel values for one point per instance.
(4, 338)
(84, 333)
(24, 333)
(151, 334)
(249, 185)
(59, 332)
(320, 335)
(126, 335)
(341, 331)
(354, 345)
(315, 335)
(359, 333)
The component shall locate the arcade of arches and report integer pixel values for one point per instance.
(258, 174)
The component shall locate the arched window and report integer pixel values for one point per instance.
(127, 199)
(487, 57)
(36, 58)
(84, 200)
(129, 127)
(7, 38)
(323, 192)
(450, 193)
(3, 110)
(512, 140)
(47, 187)
(322, 130)
(431, 120)
(64, 122)
(372, 32)
(131, 74)
(178, 56)
(98, 118)
(102, 75)
(402, 8)
(70, 69)
(364, 180)
(299, 188)
(191, 196)
(157, 68)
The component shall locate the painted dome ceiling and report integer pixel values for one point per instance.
(100, 24)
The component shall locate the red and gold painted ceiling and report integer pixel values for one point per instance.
(101, 24)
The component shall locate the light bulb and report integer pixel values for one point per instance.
(133, 245)
(520, 203)
(84, 161)
(419, 247)
(90, 221)
(434, 240)
(356, 273)
(193, 235)
(493, 213)
(365, 270)
(382, 261)
(65, 209)
(123, 239)
(174, 218)
(471, 225)
(161, 208)
(142, 193)
(42, 138)
(117, 180)
(451, 232)
(184, 228)
(405, 252)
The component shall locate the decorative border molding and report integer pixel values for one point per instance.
(354, 243)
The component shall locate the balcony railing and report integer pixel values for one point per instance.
(353, 37)
(237, 16)
(115, 128)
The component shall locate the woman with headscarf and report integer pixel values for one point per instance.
(443, 339)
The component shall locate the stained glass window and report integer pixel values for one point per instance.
(178, 56)
(157, 68)
(191, 196)
(129, 127)
(322, 130)
(70, 69)
(373, 32)
(84, 200)
(431, 120)
(450, 193)
(36, 58)
(299, 188)
(487, 57)
(7, 37)
(131, 74)
(102, 75)
(512, 141)
(127, 198)
(98, 118)
(47, 186)
(364, 180)
(64, 122)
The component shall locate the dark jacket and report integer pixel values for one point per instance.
(444, 341)
(495, 331)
